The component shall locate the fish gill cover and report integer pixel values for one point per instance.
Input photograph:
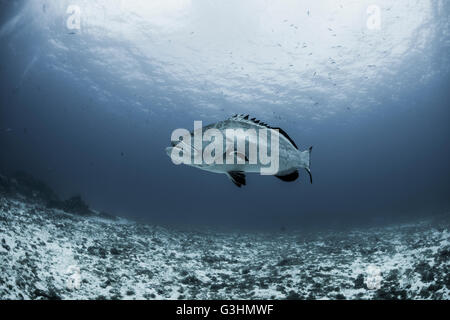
(91, 92)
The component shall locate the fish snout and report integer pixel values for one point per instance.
(169, 151)
(176, 149)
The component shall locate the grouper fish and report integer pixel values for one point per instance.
(289, 159)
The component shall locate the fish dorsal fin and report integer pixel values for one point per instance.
(245, 118)
(289, 177)
(237, 177)
(283, 133)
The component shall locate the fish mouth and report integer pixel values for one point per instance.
(178, 148)
(169, 151)
(181, 146)
(175, 146)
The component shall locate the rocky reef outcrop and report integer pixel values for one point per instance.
(62, 251)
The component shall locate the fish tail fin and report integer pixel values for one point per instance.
(305, 158)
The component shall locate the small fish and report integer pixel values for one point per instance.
(289, 161)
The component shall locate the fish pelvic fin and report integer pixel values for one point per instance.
(237, 177)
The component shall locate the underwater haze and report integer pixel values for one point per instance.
(92, 90)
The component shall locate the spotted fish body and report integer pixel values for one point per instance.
(290, 158)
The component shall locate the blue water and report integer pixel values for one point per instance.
(90, 110)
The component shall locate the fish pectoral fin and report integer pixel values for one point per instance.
(237, 177)
(241, 158)
(289, 177)
(238, 155)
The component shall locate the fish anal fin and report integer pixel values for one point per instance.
(237, 177)
(289, 177)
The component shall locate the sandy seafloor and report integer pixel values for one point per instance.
(42, 250)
